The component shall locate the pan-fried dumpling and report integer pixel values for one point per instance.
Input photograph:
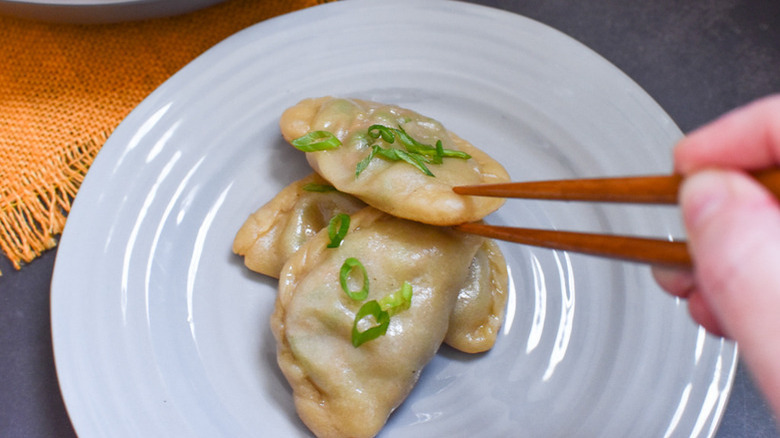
(479, 311)
(276, 230)
(346, 391)
(273, 233)
(393, 184)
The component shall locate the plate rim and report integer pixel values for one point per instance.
(160, 92)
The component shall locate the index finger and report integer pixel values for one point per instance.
(746, 138)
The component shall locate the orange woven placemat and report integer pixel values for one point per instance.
(64, 88)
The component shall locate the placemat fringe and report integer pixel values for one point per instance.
(33, 213)
(64, 88)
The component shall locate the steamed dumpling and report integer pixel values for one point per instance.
(341, 390)
(276, 230)
(273, 233)
(395, 187)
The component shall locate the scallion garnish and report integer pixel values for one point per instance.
(381, 319)
(387, 134)
(337, 229)
(361, 166)
(415, 160)
(391, 154)
(321, 188)
(416, 153)
(411, 144)
(450, 153)
(316, 141)
(346, 269)
(438, 158)
(381, 310)
(397, 301)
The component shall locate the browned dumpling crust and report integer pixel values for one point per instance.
(341, 390)
(395, 187)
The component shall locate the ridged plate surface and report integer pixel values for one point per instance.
(160, 331)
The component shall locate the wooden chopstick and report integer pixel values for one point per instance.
(634, 249)
(643, 189)
(656, 189)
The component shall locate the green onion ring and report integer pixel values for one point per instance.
(375, 131)
(337, 229)
(382, 320)
(346, 269)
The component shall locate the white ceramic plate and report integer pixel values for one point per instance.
(160, 331)
(99, 11)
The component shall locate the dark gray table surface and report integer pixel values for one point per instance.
(696, 58)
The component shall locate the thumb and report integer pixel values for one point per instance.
(734, 236)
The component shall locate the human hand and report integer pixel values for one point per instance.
(733, 227)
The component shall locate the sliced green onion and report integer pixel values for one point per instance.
(316, 141)
(415, 160)
(363, 164)
(346, 269)
(410, 143)
(416, 153)
(397, 301)
(387, 134)
(381, 317)
(337, 229)
(392, 154)
(321, 188)
(437, 152)
(449, 153)
(438, 158)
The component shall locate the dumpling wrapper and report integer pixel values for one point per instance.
(340, 390)
(396, 187)
(479, 310)
(274, 232)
